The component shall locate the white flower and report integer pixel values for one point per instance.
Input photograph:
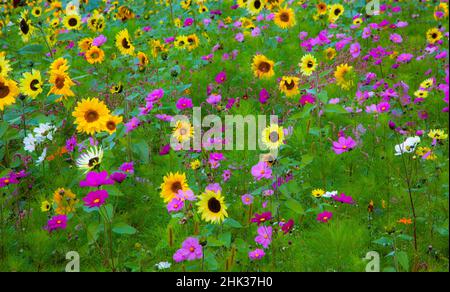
(408, 146)
(163, 265)
(91, 159)
(30, 143)
(44, 131)
(42, 157)
(330, 194)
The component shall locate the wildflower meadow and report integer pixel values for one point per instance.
(224, 136)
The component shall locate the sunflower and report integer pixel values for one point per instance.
(59, 64)
(95, 55)
(91, 159)
(321, 8)
(65, 201)
(116, 88)
(317, 193)
(421, 93)
(427, 83)
(255, 6)
(72, 22)
(8, 92)
(36, 11)
(202, 9)
(289, 85)
(211, 206)
(123, 43)
(308, 64)
(285, 18)
(45, 206)
(96, 22)
(157, 47)
(186, 4)
(143, 59)
(434, 35)
(91, 116)
(242, 3)
(112, 122)
(330, 53)
(273, 136)
(247, 23)
(343, 75)
(5, 68)
(54, 22)
(272, 4)
(31, 83)
(336, 10)
(85, 44)
(61, 83)
(192, 42)
(443, 9)
(172, 183)
(357, 21)
(437, 134)
(262, 67)
(183, 131)
(26, 29)
(181, 42)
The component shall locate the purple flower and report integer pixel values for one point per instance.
(264, 236)
(261, 170)
(396, 38)
(184, 103)
(127, 167)
(99, 41)
(71, 143)
(355, 50)
(188, 22)
(164, 150)
(261, 218)
(132, 124)
(95, 198)
(343, 199)
(214, 99)
(344, 144)
(221, 77)
(263, 96)
(118, 177)
(239, 37)
(226, 175)
(186, 195)
(256, 254)
(56, 222)
(324, 216)
(215, 187)
(155, 95)
(247, 199)
(175, 205)
(383, 107)
(286, 227)
(96, 179)
(190, 250)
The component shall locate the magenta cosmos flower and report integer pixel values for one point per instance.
(184, 103)
(256, 254)
(247, 199)
(324, 216)
(344, 199)
(344, 144)
(187, 195)
(383, 107)
(190, 250)
(96, 179)
(118, 176)
(264, 236)
(286, 227)
(263, 96)
(221, 77)
(95, 198)
(56, 222)
(127, 167)
(264, 217)
(261, 170)
(175, 205)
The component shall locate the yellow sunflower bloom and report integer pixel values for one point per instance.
(211, 206)
(172, 183)
(91, 116)
(308, 64)
(262, 67)
(285, 18)
(123, 43)
(31, 83)
(289, 85)
(8, 92)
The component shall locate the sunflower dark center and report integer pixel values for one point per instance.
(274, 137)
(4, 90)
(95, 55)
(264, 67)
(73, 22)
(337, 11)
(289, 85)
(24, 27)
(214, 205)
(257, 4)
(310, 64)
(59, 82)
(434, 35)
(91, 116)
(176, 186)
(125, 43)
(33, 85)
(111, 125)
(284, 17)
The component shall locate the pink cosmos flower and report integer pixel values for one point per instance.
(264, 236)
(239, 37)
(344, 144)
(247, 199)
(355, 50)
(190, 250)
(155, 95)
(132, 124)
(187, 195)
(118, 177)
(263, 96)
(175, 205)
(127, 167)
(215, 187)
(324, 216)
(286, 227)
(226, 175)
(221, 77)
(99, 41)
(383, 107)
(56, 222)
(214, 99)
(261, 218)
(96, 179)
(256, 254)
(396, 38)
(343, 199)
(95, 198)
(261, 170)
(184, 103)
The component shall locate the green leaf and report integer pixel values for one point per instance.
(225, 238)
(294, 206)
(403, 260)
(232, 223)
(335, 108)
(142, 150)
(383, 241)
(93, 231)
(123, 228)
(33, 49)
(307, 159)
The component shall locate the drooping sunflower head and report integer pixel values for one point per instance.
(61, 83)
(112, 122)
(5, 68)
(434, 35)
(211, 206)
(437, 134)
(255, 6)
(90, 115)
(330, 53)
(285, 18)
(289, 85)
(308, 64)
(273, 136)
(96, 22)
(95, 55)
(262, 67)
(172, 183)
(183, 131)
(8, 92)
(59, 64)
(336, 10)
(344, 76)
(26, 28)
(85, 44)
(31, 83)
(117, 88)
(143, 59)
(72, 21)
(91, 159)
(123, 43)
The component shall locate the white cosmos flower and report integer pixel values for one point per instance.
(330, 194)
(409, 146)
(44, 131)
(163, 265)
(30, 143)
(42, 157)
(90, 159)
